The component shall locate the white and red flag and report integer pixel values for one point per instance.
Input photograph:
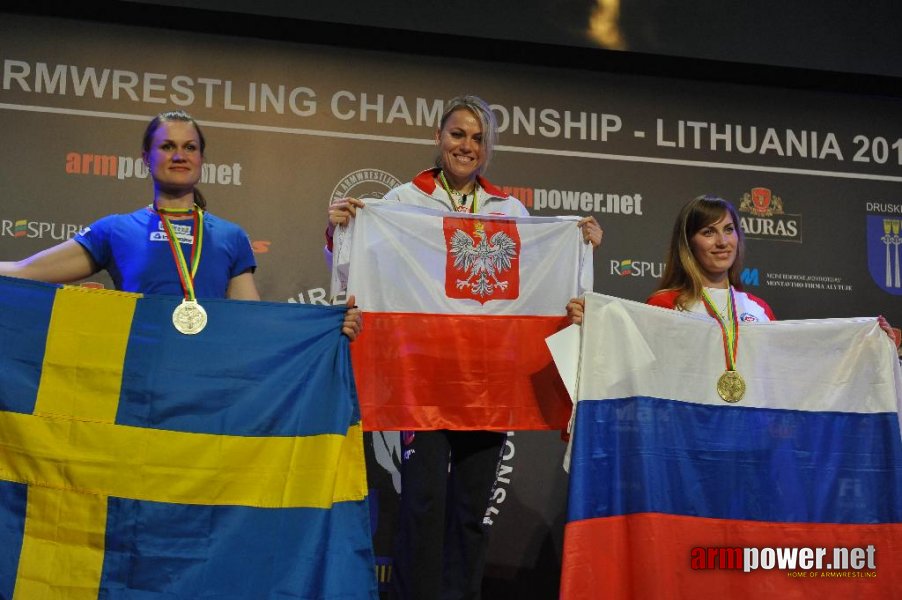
(457, 308)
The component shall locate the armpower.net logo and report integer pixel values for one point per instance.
(838, 561)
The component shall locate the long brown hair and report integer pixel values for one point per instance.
(176, 115)
(683, 272)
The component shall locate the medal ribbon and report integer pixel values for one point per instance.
(186, 276)
(729, 325)
(458, 207)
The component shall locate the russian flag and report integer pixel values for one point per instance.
(676, 494)
(457, 308)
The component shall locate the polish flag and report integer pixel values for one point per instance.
(457, 308)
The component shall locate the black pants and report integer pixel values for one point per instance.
(441, 542)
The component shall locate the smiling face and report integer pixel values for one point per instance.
(174, 158)
(714, 248)
(461, 149)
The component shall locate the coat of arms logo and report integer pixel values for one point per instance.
(483, 259)
(884, 239)
(761, 202)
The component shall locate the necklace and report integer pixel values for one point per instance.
(459, 199)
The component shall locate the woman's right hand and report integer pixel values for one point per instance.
(341, 211)
(575, 309)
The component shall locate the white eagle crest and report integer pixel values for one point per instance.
(483, 261)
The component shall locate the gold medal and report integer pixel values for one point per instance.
(731, 386)
(189, 317)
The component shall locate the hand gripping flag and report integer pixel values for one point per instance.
(676, 494)
(457, 309)
(137, 462)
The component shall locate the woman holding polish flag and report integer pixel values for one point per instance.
(448, 475)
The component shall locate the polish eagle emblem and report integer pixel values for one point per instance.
(482, 262)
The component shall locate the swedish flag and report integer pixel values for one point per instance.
(137, 462)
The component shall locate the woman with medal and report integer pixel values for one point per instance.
(702, 275)
(447, 476)
(706, 253)
(212, 259)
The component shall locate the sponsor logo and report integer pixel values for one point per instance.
(749, 277)
(482, 259)
(364, 183)
(805, 281)
(315, 296)
(754, 277)
(748, 318)
(127, 167)
(540, 199)
(884, 207)
(23, 228)
(182, 232)
(260, 246)
(629, 267)
(884, 239)
(502, 481)
(762, 217)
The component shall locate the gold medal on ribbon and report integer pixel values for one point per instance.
(731, 386)
(189, 317)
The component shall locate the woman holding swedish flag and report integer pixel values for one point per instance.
(171, 246)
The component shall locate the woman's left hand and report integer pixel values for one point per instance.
(353, 322)
(575, 309)
(885, 326)
(592, 231)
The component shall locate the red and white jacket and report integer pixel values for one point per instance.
(423, 191)
(749, 308)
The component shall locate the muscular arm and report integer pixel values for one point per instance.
(63, 263)
(242, 287)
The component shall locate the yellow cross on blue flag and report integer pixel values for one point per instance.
(138, 462)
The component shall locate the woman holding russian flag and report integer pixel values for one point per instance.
(448, 475)
(704, 264)
(703, 269)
